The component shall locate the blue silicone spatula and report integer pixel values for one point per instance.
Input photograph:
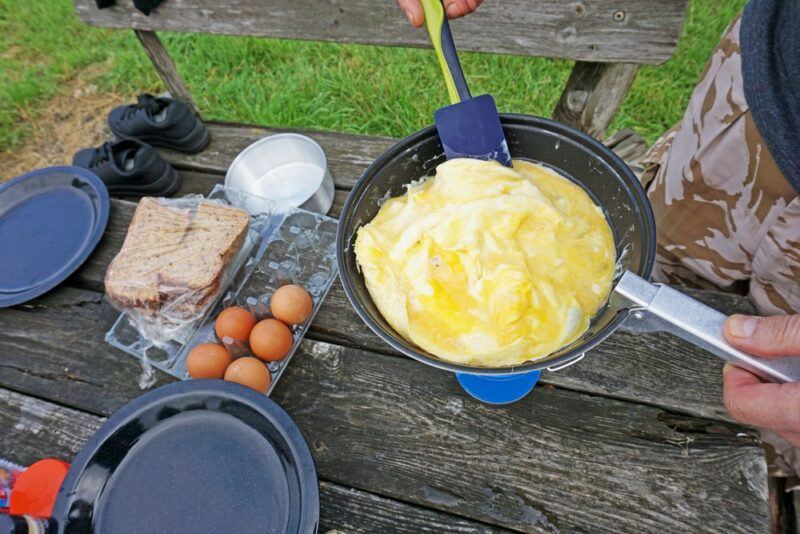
(470, 127)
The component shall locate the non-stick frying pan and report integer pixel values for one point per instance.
(613, 186)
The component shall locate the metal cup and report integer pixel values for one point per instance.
(290, 169)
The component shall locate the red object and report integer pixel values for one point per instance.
(36, 488)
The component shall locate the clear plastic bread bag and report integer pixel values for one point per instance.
(178, 256)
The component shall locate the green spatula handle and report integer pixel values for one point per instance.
(442, 39)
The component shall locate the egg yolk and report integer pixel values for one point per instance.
(486, 265)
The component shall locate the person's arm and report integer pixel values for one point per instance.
(453, 8)
(750, 401)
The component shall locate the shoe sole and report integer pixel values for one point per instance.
(166, 185)
(192, 143)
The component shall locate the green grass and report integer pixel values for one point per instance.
(359, 89)
(42, 43)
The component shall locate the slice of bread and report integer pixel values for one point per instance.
(182, 305)
(214, 236)
(173, 258)
(156, 231)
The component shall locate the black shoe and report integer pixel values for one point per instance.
(130, 168)
(160, 122)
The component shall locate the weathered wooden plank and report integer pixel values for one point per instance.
(192, 183)
(34, 429)
(779, 506)
(602, 30)
(55, 348)
(351, 511)
(62, 328)
(348, 154)
(658, 369)
(593, 95)
(654, 368)
(198, 183)
(556, 460)
(165, 67)
(627, 144)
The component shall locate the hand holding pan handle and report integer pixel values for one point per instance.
(658, 307)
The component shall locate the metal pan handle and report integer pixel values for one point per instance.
(658, 307)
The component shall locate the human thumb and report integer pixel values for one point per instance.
(414, 12)
(765, 336)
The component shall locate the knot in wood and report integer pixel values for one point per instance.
(576, 100)
(566, 35)
(328, 355)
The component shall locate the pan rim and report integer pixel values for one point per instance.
(507, 119)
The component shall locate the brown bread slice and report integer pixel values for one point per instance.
(216, 234)
(155, 232)
(186, 305)
(173, 259)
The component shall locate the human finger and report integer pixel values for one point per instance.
(765, 405)
(460, 8)
(413, 11)
(765, 336)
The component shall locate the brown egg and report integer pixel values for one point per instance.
(270, 340)
(234, 323)
(249, 372)
(291, 304)
(208, 360)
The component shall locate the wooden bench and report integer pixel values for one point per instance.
(634, 438)
(608, 39)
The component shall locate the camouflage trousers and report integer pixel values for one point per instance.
(726, 217)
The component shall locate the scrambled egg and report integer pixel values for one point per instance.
(486, 265)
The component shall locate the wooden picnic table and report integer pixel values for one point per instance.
(632, 438)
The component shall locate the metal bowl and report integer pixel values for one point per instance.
(290, 169)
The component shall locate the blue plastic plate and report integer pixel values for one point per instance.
(192, 457)
(50, 221)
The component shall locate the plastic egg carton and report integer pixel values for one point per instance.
(296, 247)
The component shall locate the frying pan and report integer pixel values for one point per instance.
(613, 186)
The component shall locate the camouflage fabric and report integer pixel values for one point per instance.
(725, 214)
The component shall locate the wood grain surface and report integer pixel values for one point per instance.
(348, 155)
(655, 368)
(36, 429)
(640, 31)
(633, 438)
(593, 95)
(165, 67)
(558, 460)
